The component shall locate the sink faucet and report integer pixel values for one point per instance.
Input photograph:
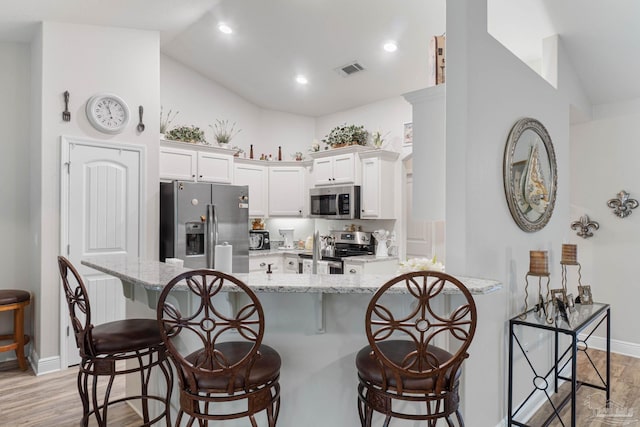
(315, 252)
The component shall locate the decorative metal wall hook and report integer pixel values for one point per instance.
(584, 226)
(623, 205)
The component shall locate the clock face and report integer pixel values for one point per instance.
(108, 113)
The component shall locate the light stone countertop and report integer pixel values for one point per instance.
(275, 252)
(364, 259)
(361, 259)
(153, 275)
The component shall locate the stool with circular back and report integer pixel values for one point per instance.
(15, 300)
(227, 373)
(131, 346)
(402, 373)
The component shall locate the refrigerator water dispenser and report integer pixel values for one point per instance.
(195, 238)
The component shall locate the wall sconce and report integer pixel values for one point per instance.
(538, 267)
(584, 226)
(623, 205)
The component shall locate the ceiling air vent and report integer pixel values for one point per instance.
(349, 69)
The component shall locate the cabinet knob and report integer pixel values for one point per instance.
(200, 176)
(291, 262)
(352, 271)
(263, 264)
(193, 176)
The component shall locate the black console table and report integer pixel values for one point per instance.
(583, 321)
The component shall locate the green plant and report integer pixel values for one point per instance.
(346, 135)
(191, 134)
(222, 132)
(165, 122)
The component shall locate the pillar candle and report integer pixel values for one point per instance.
(569, 254)
(538, 263)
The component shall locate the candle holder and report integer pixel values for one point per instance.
(538, 267)
(570, 257)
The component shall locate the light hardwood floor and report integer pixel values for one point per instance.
(625, 394)
(51, 400)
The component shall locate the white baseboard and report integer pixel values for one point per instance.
(617, 346)
(45, 365)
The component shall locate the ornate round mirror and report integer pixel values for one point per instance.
(530, 174)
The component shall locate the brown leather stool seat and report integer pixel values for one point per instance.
(125, 335)
(111, 349)
(266, 368)
(15, 300)
(369, 370)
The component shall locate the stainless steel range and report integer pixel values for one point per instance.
(345, 244)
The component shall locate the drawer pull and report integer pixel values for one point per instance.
(263, 264)
(352, 271)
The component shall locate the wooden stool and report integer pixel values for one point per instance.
(16, 300)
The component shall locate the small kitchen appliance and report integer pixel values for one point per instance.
(287, 235)
(335, 202)
(259, 240)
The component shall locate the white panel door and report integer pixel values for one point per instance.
(103, 217)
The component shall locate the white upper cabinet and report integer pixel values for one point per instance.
(257, 178)
(190, 162)
(286, 191)
(177, 164)
(377, 195)
(338, 169)
(215, 167)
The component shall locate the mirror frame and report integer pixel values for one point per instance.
(511, 187)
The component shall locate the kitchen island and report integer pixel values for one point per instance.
(316, 323)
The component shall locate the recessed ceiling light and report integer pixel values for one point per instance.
(301, 80)
(390, 46)
(224, 28)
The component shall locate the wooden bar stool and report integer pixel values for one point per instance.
(16, 300)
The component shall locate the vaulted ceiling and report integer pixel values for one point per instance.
(274, 41)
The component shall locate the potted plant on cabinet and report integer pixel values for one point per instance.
(344, 135)
(191, 134)
(165, 121)
(222, 132)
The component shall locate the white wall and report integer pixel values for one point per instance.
(604, 161)
(388, 115)
(201, 102)
(122, 61)
(488, 90)
(15, 264)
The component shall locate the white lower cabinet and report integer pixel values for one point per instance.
(379, 266)
(257, 178)
(291, 264)
(286, 191)
(261, 263)
(350, 268)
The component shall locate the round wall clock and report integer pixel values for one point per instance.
(107, 113)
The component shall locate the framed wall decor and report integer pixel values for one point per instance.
(530, 174)
(407, 135)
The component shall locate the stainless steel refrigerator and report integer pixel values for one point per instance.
(194, 217)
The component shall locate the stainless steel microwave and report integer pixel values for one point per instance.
(335, 202)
